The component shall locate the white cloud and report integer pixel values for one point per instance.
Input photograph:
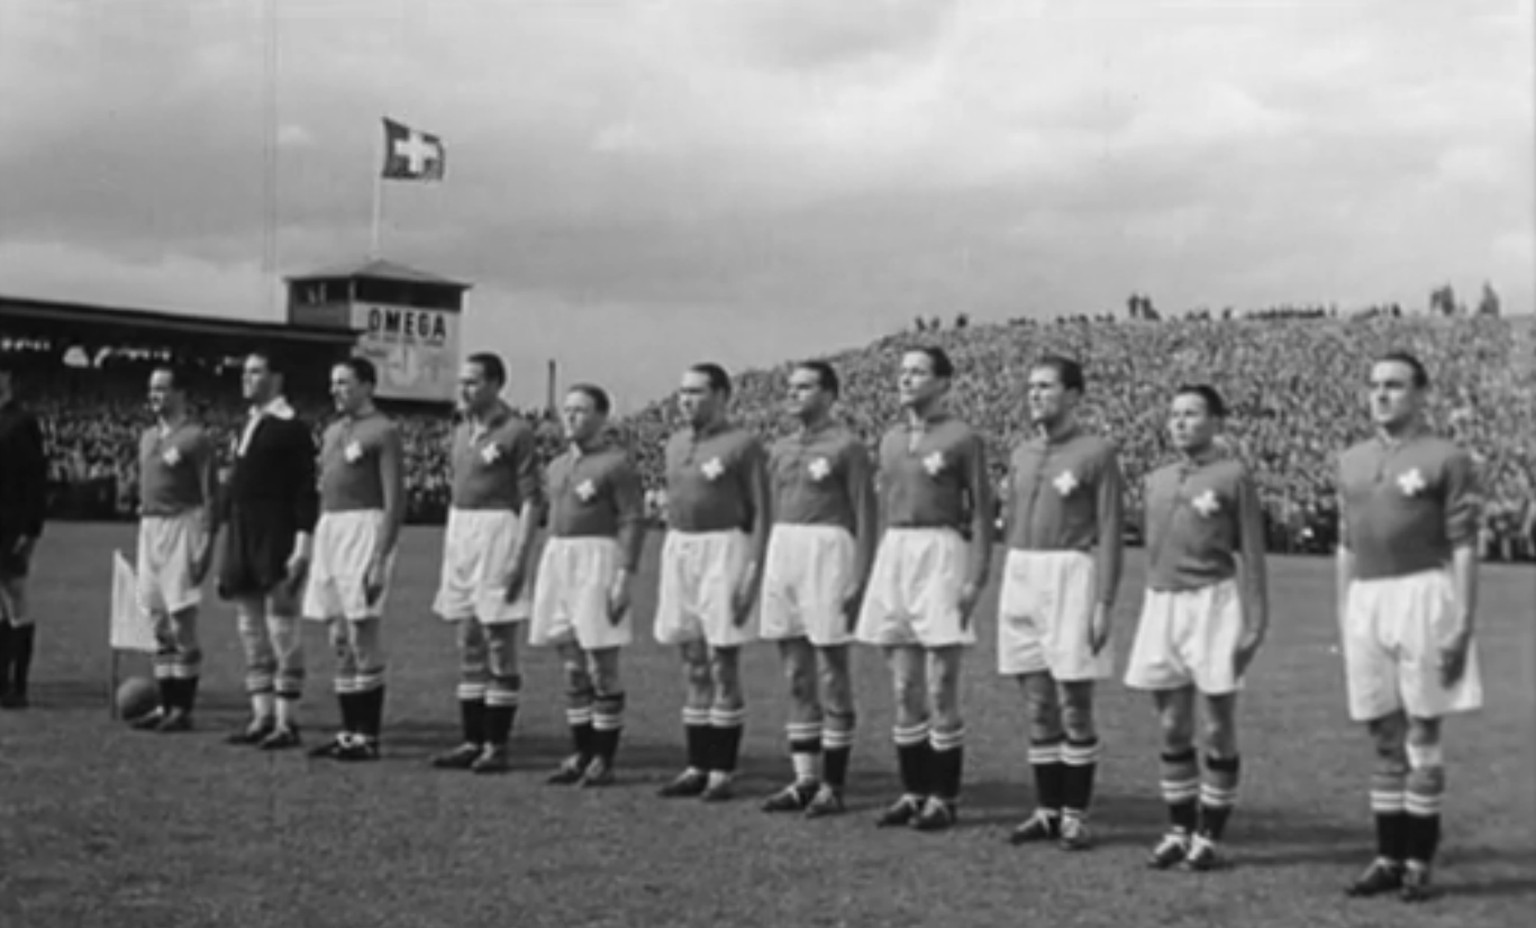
(808, 171)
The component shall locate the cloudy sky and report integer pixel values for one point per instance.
(635, 184)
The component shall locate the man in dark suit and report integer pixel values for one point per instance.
(271, 505)
(23, 499)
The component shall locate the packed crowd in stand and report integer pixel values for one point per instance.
(1294, 381)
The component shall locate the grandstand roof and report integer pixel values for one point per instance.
(21, 315)
(381, 269)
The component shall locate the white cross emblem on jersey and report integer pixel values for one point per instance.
(819, 469)
(353, 452)
(934, 463)
(712, 469)
(171, 457)
(585, 490)
(1411, 483)
(1065, 483)
(1206, 503)
(491, 453)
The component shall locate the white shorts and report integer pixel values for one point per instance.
(1393, 630)
(807, 576)
(571, 599)
(1188, 637)
(699, 574)
(477, 554)
(1043, 616)
(167, 547)
(913, 596)
(344, 544)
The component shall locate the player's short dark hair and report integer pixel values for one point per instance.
(178, 375)
(826, 375)
(1407, 358)
(938, 359)
(719, 380)
(276, 364)
(596, 394)
(490, 365)
(1068, 372)
(1214, 404)
(361, 368)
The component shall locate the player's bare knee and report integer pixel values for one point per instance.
(1220, 737)
(577, 679)
(1178, 729)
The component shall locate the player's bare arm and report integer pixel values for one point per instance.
(759, 502)
(1255, 581)
(1109, 553)
(392, 479)
(979, 488)
(866, 529)
(1463, 514)
(208, 482)
(629, 497)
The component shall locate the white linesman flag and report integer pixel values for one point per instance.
(131, 627)
(410, 154)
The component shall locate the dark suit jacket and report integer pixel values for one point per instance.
(23, 475)
(276, 475)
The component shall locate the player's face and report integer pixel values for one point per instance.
(580, 416)
(164, 398)
(476, 391)
(805, 397)
(257, 382)
(1048, 399)
(1191, 427)
(1394, 398)
(917, 384)
(696, 399)
(347, 392)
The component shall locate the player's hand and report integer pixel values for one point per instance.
(297, 568)
(373, 581)
(23, 546)
(853, 603)
(1098, 628)
(516, 577)
(970, 593)
(1247, 647)
(201, 562)
(742, 597)
(1453, 659)
(618, 598)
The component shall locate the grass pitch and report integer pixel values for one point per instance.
(100, 825)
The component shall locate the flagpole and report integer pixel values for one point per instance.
(378, 200)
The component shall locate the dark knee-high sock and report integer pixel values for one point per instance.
(726, 738)
(699, 738)
(948, 760)
(607, 725)
(1218, 794)
(1389, 808)
(1050, 773)
(580, 718)
(472, 711)
(1426, 785)
(837, 747)
(1181, 789)
(368, 696)
(914, 758)
(501, 700)
(1081, 759)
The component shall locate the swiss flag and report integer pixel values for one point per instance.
(410, 154)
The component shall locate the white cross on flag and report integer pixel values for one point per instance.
(410, 154)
